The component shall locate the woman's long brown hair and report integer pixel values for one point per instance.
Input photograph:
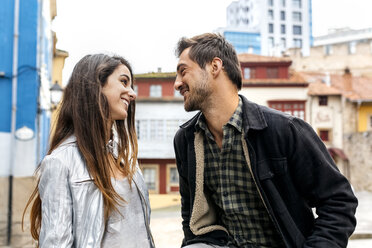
(84, 112)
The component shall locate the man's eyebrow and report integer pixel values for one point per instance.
(179, 66)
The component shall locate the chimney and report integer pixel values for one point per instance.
(347, 80)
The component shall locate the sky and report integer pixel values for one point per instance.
(145, 32)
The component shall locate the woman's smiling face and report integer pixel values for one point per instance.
(119, 93)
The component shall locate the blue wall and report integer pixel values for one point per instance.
(34, 51)
(28, 79)
(311, 22)
(6, 55)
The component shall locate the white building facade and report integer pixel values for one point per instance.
(276, 24)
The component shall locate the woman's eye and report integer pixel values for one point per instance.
(125, 82)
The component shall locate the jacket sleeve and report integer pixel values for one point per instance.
(56, 204)
(181, 155)
(319, 181)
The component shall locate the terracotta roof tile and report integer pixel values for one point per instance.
(354, 88)
(294, 78)
(247, 57)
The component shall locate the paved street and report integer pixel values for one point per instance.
(167, 231)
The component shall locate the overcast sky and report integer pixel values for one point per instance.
(146, 31)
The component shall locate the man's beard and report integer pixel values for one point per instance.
(200, 95)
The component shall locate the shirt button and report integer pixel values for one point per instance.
(223, 167)
(225, 193)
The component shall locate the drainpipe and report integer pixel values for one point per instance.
(14, 115)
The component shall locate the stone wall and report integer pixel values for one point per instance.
(358, 147)
(22, 189)
(359, 63)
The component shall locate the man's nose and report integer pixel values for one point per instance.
(177, 84)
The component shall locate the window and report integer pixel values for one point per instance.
(282, 29)
(296, 16)
(283, 43)
(282, 3)
(295, 108)
(270, 15)
(247, 73)
(177, 93)
(324, 135)
(173, 175)
(297, 43)
(157, 130)
(370, 123)
(323, 100)
(297, 30)
(272, 72)
(271, 28)
(149, 175)
(155, 90)
(271, 42)
(282, 15)
(296, 4)
(352, 47)
(270, 2)
(135, 88)
(328, 49)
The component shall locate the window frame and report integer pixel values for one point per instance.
(155, 89)
(297, 29)
(323, 100)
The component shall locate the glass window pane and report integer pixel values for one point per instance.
(173, 175)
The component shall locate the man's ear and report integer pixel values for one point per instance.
(216, 66)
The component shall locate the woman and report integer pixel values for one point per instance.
(91, 192)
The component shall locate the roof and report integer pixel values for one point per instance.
(156, 75)
(295, 79)
(247, 57)
(355, 88)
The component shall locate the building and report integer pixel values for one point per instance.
(26, 48)
(268, 81)
(159, 113)
(338, 107)
(269, 27)
(340, 49)
(341, 114)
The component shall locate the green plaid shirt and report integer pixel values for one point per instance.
(228, 179)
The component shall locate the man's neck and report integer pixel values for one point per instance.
(219, 113)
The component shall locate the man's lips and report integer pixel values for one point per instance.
(183, 90)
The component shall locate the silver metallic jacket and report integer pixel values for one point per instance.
(72, 206)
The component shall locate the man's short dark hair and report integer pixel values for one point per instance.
(207, 46)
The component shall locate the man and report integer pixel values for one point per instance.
(250, 175)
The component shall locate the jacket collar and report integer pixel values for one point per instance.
(253, 118)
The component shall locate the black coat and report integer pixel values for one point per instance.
(294, 173)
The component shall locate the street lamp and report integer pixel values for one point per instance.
(56, 93)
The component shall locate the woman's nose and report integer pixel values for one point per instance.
(132, 94)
